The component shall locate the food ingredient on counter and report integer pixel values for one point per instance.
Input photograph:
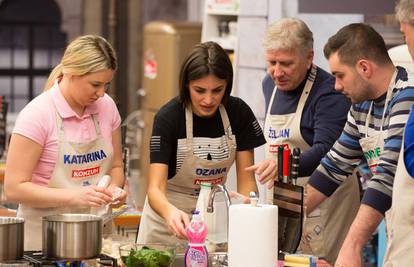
(148, 257)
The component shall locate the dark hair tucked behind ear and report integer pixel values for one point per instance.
(205, 58)
(357, 41)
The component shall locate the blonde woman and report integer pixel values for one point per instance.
(66, 139)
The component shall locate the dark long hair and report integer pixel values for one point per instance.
(205, 59)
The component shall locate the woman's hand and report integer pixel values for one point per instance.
(238, 198)
(119, 195)
(177, 221)
(266, 170)
(90, 196)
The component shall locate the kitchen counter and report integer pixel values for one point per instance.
(7, 212)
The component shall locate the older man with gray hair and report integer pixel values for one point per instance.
(404, 12)
(304, 111)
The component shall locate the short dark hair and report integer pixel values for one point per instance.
(357, 41)
(205, 58)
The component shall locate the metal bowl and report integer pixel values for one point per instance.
(11, 238)
(72, 236)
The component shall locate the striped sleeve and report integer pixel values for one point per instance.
(340, 161)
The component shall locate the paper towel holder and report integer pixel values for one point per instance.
(253, 198)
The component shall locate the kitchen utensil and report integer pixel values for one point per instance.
(289, 199)
(11, 238)
(104, 182)
(72, 236)
(294, 171)
(286, 158)
(280, 163)
(110, 215)
(147, 255)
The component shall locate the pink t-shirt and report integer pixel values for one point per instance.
(37, 121)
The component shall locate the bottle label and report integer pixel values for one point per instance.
(196, 256)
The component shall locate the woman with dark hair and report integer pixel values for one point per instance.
(196, 138)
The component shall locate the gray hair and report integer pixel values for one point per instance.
(404, 11)
(287, 34)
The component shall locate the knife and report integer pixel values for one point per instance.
(286, 155)
(280, 163)
(295, 164)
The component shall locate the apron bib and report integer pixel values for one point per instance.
(400, 218)
(340, 206)
(78, 164)
(184, 187)
(372, 144)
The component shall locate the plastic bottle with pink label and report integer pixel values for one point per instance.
(196, 254)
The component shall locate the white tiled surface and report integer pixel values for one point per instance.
(324, 26)
(250, 89)
(253, 8)
(251, 31)
(275, 11)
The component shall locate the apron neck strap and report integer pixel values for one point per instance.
(189, 124)
(387, 100)
(308, 86)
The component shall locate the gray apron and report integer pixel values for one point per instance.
(73, 174)
(184, 187)
(400, 219)
(322, 235)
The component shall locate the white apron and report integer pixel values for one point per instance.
(373, 143)
(184, 187)
(322, 235)
(400, 219)
(78, 164)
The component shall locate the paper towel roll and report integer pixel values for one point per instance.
(252, 236)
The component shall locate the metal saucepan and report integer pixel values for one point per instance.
(11, 238)
(72, 236)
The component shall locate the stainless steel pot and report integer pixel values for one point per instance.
(11, 238)
(72, 236)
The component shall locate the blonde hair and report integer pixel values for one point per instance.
(404, 11)
(288, 34)
(85, 54)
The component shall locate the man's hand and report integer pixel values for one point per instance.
(266, 170)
